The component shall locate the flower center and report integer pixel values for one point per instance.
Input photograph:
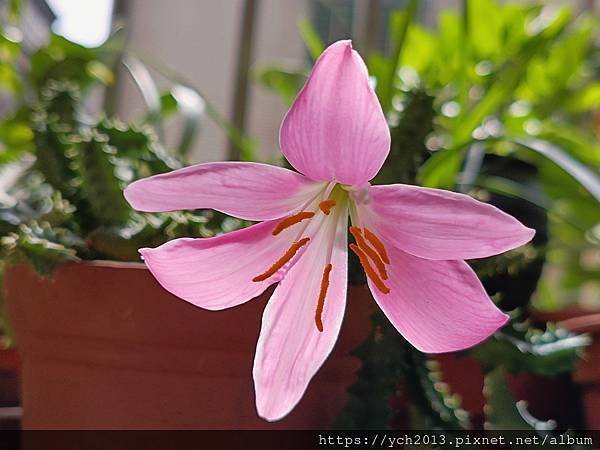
(370, 250)
(326, 206)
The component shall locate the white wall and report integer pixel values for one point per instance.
(198, 39)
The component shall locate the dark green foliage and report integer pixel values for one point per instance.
(391, 371)
(52, 147)
(139, 147)
(408, 149)
(286, 83)
(431, 400)
(382, 356)
(521, 348)
(454, 91)
(149, 230)
(66, 201)
(100, 177)
(41, 245)
(508, 81)
(502, 412)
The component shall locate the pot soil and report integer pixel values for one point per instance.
(103, 346)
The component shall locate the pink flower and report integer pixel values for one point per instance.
(411, 240)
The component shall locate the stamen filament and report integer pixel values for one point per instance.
(292, 220)
(322, 295)
(326, 206)
(289, 254)
(362, 244)
(374, 240)
(364, 261)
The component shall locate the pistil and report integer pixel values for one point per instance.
(326, 206)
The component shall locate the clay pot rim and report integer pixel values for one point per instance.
(589, 323)
(98, 263)
(110, 264)
(574, 318)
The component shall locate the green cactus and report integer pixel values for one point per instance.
(41, 245)
(408, 150)
(521, 348)
(139, 146)
(52, 141)
(148, 230)
(434, 406)
(393, 369)
(101, 178)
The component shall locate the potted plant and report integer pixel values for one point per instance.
(87, 314)
(104, 346)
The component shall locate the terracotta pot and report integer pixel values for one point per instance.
(587, 374)
(104, 346)
(9, 368)
(9, 387)
(547, 397)
(564, 398)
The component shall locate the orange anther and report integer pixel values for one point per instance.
(374, 240)
(289, 254)
(292, 220)
(322, 294)
(326, 206)
(364, 261)
(362, 244)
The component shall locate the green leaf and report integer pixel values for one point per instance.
(286, 83)
(583, 99)
(100, 72)
(191, 107)
(63, 59)
(586, 177)
(311, 38)
(15, 7)
(400, 22)
(147, 87)
(441, 169)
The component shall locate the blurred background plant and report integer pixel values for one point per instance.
(64, 159)
(500, 101)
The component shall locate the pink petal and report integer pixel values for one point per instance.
(290, 348)
(437, 224)
(216, 273)
(249, 191)
(438, 306)
(336, 130)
